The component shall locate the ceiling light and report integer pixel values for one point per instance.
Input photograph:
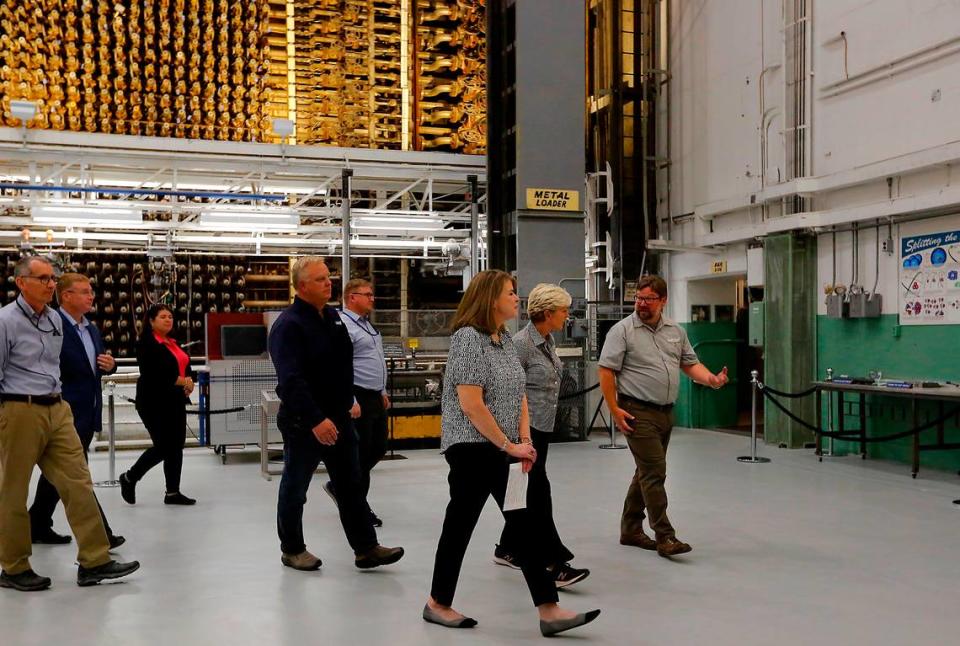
(86, 215)
(250, 220)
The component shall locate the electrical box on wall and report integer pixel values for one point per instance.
(865, 305)
(755, 325)
(837, 306)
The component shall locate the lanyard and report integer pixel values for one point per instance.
(363, 325)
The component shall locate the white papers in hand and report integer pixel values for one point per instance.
(516, 496)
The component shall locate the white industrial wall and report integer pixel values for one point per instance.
(891, 111)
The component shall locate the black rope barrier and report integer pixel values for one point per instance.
(580, 392)
(857, 438)
(779, 393)
(221, 411)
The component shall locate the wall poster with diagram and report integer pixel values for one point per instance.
(929, 270)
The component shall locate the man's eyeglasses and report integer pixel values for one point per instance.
(367, 294)
(81, 292)
(647, 300)
(46, 280)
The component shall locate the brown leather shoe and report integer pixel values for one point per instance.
(304, 561)
(640, 540)
(672, 547)
(377, 556)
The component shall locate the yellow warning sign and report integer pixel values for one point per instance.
(553, 199)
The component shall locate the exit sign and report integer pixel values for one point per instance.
(718, 267)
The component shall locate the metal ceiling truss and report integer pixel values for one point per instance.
(402, 203)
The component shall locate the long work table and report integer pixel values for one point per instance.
(948, 393)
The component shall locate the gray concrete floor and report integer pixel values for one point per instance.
(792, 552)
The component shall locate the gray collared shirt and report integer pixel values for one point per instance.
(29, 349)
(647, 360)
(475, 360)
(369, 364)
(539, 359)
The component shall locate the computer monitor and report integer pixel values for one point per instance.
(239, 341)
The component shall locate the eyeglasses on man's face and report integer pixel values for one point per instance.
(648, 300)
(46, 279)
(367, 294)
(80, 292)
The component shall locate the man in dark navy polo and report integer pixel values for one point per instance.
(312, 353)
(83, 360)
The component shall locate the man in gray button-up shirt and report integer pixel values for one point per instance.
(640, 377)
(36, 428)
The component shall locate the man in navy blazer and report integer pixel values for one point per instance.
(83, 360)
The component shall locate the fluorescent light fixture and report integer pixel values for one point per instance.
(86, 215)
(250, 220)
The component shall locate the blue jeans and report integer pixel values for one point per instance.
(302, 454)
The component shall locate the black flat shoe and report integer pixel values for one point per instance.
(128, 490)
(26, 581)
(551, 628)
(49, 537)
(109, 570)
(178, 499)
(116, 541)
(433, 618)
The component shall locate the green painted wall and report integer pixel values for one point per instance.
(913, 352)
(701, 407)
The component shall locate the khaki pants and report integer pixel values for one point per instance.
(30, 435)
(647, 495)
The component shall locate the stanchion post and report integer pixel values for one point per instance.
(829, 453)
(613, 433)
(111, 438)
(753, 458)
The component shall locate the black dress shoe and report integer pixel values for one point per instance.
(116, 541)
(128, 489)
(178, 499)
(49, 537)
(26, 581)
(109, 570)
(377, 556)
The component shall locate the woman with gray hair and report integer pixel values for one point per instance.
(548, 306)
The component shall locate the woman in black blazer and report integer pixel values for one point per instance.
(163, 391)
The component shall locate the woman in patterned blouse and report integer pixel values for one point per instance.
(485, 424)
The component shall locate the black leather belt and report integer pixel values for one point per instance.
(663, 408)
(40, 400)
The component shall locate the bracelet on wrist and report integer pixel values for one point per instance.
(506, 442)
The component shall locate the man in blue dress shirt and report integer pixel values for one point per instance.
(36, 429)
(369, 382)
(83, 361)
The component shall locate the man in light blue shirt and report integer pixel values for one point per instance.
(83, 361)
(36, 428)
(369, 381)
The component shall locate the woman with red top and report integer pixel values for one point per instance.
(163, 391)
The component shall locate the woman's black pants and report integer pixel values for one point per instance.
(478, 471)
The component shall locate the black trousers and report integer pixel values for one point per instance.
(478, 471)
(302, 454)
(46, 499)
(540, 502)
(167, 426)
(371, 433)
